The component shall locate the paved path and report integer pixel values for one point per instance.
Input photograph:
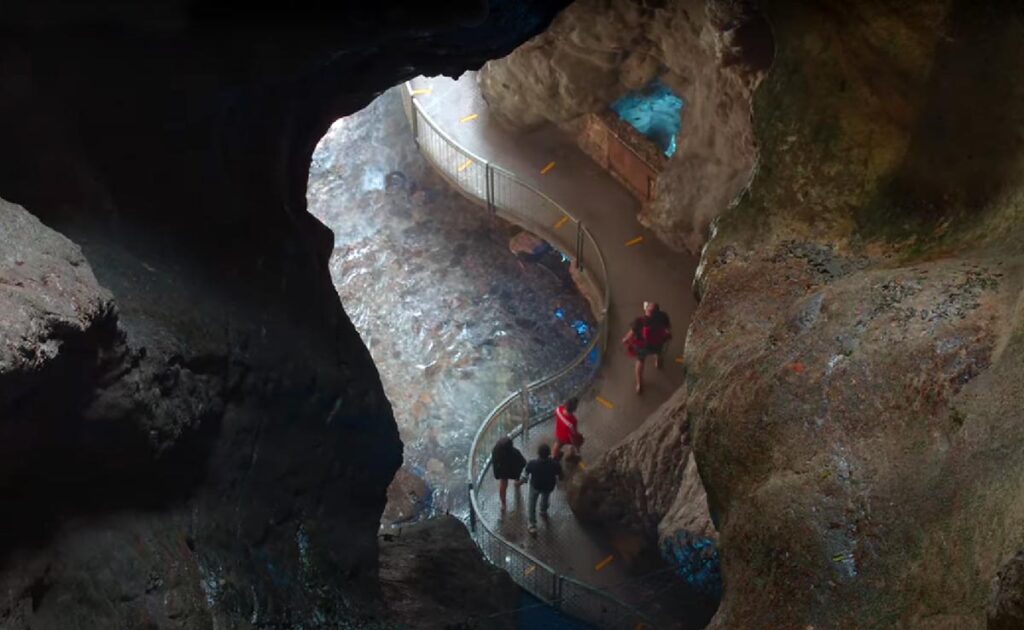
(646, 271)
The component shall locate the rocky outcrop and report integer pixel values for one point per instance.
(151, 451)
(711, 54)
(648, 484)
(854, 374)
(433, 576)
(853, 366)
(193, 434)
(1006, 608)
(54, 320)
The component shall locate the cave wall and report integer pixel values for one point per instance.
(855, 361)
(711, 54)
(854, 372)
(194, 434)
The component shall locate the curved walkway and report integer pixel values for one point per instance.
(647, 270)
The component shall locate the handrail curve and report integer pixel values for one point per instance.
(504, 193)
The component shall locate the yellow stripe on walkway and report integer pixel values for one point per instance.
(466, 119)
(605, 402)
(550, 165)
(561, 222)
(602, 564)
(679, 359)
(634, 241)
(420, 91)
(530, 569)
(465, 165)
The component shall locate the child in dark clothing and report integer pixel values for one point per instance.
(544, 473)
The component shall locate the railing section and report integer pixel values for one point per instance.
(511, 198)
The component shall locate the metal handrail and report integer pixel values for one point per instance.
(417, 116)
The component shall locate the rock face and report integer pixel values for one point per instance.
(711, 54)
(1006, 609)
(192, 472)
(192, 433)
(626, 487)
(54, 319)
(433, 576)
(854, 368)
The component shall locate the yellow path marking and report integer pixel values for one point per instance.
(582, 465)
(421, 91)
(466, 119)
(561, 222)
(602, 564)
(548, 167)
(465, 165)
(639, 625)
(679, 359)
(634, 241)
(605, 402)
(530, 569)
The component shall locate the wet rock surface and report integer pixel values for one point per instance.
(458, 308)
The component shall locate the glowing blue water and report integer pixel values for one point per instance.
(654, 112)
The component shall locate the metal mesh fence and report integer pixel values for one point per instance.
(517, 201)
(598, 607)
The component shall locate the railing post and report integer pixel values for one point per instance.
(414, 121)
(525, 398)
(490, 187)
(519, 200)
(579, 246)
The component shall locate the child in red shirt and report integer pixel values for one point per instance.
(566, 431)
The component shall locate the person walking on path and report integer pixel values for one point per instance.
(648, 336)
(544, 473)
(507, 463)
(567, 431)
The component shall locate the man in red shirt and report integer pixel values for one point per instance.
(566, 431)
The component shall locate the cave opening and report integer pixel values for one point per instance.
(456, 306)
(484, 303)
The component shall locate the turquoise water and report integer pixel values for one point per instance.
(654, 112)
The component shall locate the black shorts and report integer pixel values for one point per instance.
(647, 351)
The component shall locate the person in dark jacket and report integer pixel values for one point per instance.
(647, 336)
(507, 463)
(544, 473)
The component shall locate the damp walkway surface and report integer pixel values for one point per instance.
(647, 270)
